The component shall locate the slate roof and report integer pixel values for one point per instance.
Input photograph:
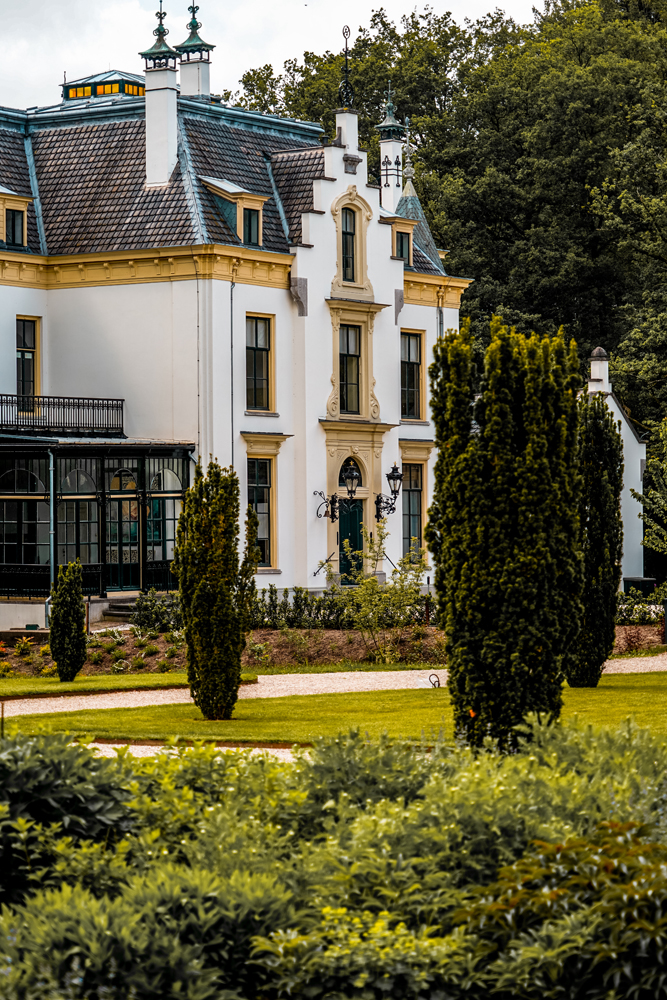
(424, 249)
(237, 155)
(93, 196)
(294, 172)
(91, 180)
(15, 176)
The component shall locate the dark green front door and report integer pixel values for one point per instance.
(350, 521)
(123, 545)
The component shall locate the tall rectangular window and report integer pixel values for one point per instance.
(26, 349)
(349, 230)
(77, 536)
(251, 226)
(14, 228)
(259, 498)
(350, 352)
(403, 246)
(258, 346)
(24, 532)
(410, 376)
(412, 506)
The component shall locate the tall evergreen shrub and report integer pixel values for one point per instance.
(216, 590)
(504, 526)
(601, 464)
(67, 621)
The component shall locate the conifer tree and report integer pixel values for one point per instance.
(503, 527)
(601, 464)
(67, 621)
(216, 592)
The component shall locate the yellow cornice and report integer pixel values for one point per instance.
(434, 290)
(130, 267)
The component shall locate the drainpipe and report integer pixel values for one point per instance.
(231, 339)
(52, 519)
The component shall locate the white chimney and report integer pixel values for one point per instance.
(391, 157)
(599, 380)
(161, 108)
(195, 61)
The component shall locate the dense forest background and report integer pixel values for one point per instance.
(541, 164)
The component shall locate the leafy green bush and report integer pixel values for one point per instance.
(308, 611)
(158, 613)
(362, 869)
(151, 650)
(46, 780)
(634, 609)
(175, 932)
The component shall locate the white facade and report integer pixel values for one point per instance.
(634, 463)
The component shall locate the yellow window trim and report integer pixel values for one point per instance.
(17, 203)
(361, 314)
(273, 402)
(267, 446)
(37, 320)
(242, 199)
(423, 384)
(361, 288)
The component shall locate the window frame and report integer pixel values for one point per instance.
(36, 353)
(349, 245)
(344, 331)
(401, 235)
(421, 416)
(14, 212)
(267, 351)
(408, 368)
(250, 216)
(407, 493)
(271, 514)
(273, 390)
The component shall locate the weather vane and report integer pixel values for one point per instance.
(345, 92)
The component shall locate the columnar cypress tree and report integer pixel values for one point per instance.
(503, 527)
(216, 593)
(67, 621)
(601, 463)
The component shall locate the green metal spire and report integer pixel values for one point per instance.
(390, 128)
(160, 53)
(194, 43)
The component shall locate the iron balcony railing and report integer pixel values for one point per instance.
(67, 415)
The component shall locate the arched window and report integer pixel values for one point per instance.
(77, 481)
(349, 218)
(349, 463)
(165, 481)
(123, 480)
(21, 481)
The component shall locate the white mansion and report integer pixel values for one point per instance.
(180, 279)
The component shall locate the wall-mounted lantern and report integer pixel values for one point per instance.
(387, 505)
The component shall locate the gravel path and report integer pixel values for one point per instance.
(277, 686)
(637, 664)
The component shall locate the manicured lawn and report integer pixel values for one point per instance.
(300, 719)
(50, 687)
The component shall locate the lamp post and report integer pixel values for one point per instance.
(331, 504)
(387, 505)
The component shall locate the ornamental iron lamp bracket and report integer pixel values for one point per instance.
(332, 504)
(387, 505)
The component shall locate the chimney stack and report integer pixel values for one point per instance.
(161, 107)
(391, 156)
(599, 380)
(195, 61)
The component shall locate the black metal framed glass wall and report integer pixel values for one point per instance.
(116, 510)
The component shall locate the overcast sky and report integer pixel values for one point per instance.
(44, 38)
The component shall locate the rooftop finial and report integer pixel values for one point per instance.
(194, 46)
(161, 30)
(160, 55)
(409, 170)
(345, 92)
(390, 128)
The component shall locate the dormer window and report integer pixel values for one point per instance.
(403, 246)
(79, 92)
(107, 88)
(349, 232)
(251, 226)
(131, 88)
(14, 228)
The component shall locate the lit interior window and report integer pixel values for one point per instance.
(107, 88)
(79, 92)
(132, 88)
